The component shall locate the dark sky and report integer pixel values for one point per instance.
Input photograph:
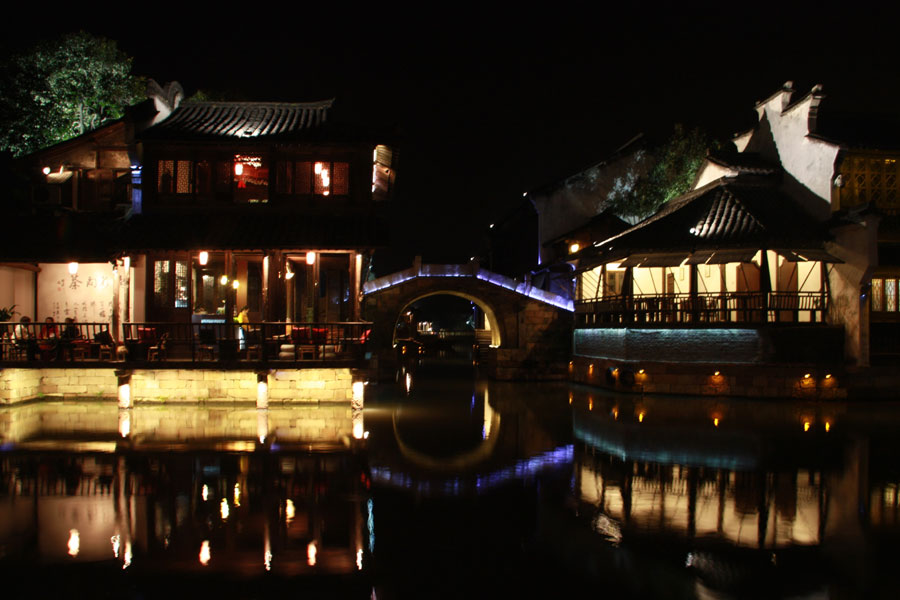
(490, 102)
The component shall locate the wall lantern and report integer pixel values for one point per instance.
(45, 170)
(238, 169)
(310, 258)
(203, 258)
(223, 280)
(288, 274)
(574, 248)
(73, 268)
(235, 284)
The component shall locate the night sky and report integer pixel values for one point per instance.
(487, 102)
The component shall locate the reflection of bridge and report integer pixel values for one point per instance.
(530, 329)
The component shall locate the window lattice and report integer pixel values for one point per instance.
(181, 284)
(890, 295)
(165, 176)
(878, 295)
(871, 179)
(160, 283)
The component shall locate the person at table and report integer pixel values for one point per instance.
(24, 337)
(242, 319)
(70, 334)
(49, 339)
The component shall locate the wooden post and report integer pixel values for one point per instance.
(765, 283)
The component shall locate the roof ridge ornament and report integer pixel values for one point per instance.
(165, 99)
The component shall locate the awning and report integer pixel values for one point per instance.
(722, 256)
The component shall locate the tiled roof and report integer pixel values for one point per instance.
(728, 213)
(224, 231)
(749, 163)
(232, 120)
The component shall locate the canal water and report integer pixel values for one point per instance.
(456, 488)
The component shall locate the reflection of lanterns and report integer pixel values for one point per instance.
(310, 258)
(74, 543)
(73, 268)
(204, 553)
(311, 552)
(203, 258)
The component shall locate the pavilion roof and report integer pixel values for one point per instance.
(240, 120)
(730, 213)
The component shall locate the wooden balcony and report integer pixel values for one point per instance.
(727, 309)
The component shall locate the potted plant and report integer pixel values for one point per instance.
(7, 313)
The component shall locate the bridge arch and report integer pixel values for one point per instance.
(488, 310)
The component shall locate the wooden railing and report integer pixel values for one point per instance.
(702, 309)
(209, 341)
(55, 341)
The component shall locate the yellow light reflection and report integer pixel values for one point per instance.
(716, 421)
(359, 559)
(408, 382)
(571, 396)
(204, 492)
(125, 395)
(237, 494)
(128, 555)
(223, 509)
(641, 417)
(311, 553)
(590, 403)
(805, 425)
(204, 553)
(827, 426)
(115, 540)
(74, 542)
(124, 423)
(615, 412)
(289, 511)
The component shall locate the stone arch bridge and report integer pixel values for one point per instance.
(530, 329)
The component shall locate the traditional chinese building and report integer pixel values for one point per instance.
(769, 260)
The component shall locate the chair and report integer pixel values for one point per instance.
(159, 350)
(207, 343)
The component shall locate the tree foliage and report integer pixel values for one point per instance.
(63, 88)
(665, 173)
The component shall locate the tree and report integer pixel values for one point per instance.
(63, 88)
(670, 172)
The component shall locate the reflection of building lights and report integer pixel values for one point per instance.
(590, 404)
(128, 555)
(262, 424)
(641, 417)
(115, 540)
(716, 374)
(237, 494)
(807, 376)
(310, 258)
(716, 421)
(828, 376)
(204, 553)
(73, 268)
(571, 397)
(359, 559)
(357, 431)
(615, 412)
(311, 553)
(289, 511)
(805, 425)
(223, 509)
(262, 394)
(641, 371)
(203, 258)
(827, 426)
(204, 492)
(590, 369)
(408, 382)
(74, 543)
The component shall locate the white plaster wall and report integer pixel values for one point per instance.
(86, 296)
(17, 287)
(857, 247)
(810, 161)
(648, 281)
(138, 287)
(710, 172)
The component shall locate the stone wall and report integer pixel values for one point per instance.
(177, 385)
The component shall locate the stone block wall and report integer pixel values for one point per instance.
(177, 385)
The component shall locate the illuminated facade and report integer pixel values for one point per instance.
(200, 209)
(783, 232)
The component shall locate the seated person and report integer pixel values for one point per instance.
(24, 338)
(49, 339)
(70, 334)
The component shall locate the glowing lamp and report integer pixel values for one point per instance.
(574, 248)
(310, 258)
(641, 371)
(45, 170)
(235, 284)
(203, 258)
(238, 169)
(223, 279)
(806, 376)
(716, 374)
(805, 425)
(73, 268)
